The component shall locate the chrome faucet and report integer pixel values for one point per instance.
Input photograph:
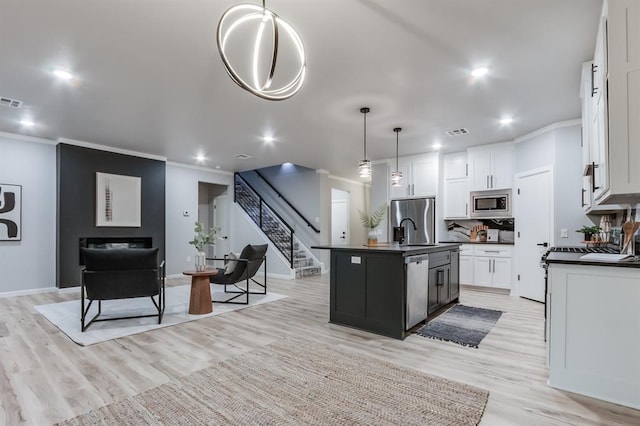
(398, 231)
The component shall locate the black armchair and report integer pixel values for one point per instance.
(111, 274)
(251, 258)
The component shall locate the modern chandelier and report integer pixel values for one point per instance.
(364, 167)
(268, 35)
(396, 177)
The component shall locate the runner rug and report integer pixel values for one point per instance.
(297, 382)
(461, 324)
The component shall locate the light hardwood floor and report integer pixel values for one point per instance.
(45, 377)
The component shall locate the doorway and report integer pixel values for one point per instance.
(213, 212)
(340, 211)
(534, 229)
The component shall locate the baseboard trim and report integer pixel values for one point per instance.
(17, 293)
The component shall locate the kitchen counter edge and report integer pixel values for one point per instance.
(392, 248)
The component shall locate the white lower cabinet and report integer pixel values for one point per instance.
(488, 266)
(466, 264)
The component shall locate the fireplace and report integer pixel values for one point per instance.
(113, 243)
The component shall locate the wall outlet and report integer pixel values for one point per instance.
(188, 258)
(564, 233)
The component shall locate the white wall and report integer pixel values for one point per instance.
(559, 147)
(29, 264)
(181, 196)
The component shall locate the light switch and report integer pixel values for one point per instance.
(564, 233)
(355, 259)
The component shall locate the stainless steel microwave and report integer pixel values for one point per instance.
(491, 204)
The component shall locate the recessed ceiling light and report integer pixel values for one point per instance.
(27, 123)
(217, 167)
(506, 120)
(62, 74)
(437, 145)
(268, 139)
(479, 72)
(200, 158)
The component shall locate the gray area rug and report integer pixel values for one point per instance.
(297, 382)
(461, 324)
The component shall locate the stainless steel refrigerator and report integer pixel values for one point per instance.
(420, 212)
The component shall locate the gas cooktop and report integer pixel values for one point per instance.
(583, 250)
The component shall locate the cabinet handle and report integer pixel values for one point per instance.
(594, 166)
(466, 169)
(466, 209)
(491, 181)
(488, 181)
(413, 189)
(594, 89)
(494, 266)
(583, 191)
(440, 277)
(489, 265)
(491, 251)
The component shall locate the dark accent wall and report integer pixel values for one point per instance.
(76, 201)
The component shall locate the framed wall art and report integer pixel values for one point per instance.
(10, 212)
(118, 200)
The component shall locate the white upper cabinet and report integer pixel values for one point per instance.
(491, 167)
(456, 186)
(616, 127)
(455, 165)
(419, 176)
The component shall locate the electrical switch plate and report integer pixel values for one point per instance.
(564, 233)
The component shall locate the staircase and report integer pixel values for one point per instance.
(276, 229)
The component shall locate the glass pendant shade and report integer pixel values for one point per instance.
(396, 178)
(364, 168)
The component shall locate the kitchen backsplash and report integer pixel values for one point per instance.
(459, 230)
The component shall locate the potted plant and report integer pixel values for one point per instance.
(371, 221)
(588, 231)
(201, 240)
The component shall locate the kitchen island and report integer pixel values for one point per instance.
(389, 288)
(593, 327)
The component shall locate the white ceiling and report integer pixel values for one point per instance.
(150, 79)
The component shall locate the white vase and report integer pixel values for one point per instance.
(372, 238)
(201, 261)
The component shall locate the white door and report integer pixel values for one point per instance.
(533, 207)
(339, 217)
(221, 220)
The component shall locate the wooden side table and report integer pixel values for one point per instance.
(200, 301)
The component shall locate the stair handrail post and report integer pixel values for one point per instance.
(291, 247)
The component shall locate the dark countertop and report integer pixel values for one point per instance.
(490, 243)
(393, 248)
(574, 259)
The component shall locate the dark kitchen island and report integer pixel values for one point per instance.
(387, 289)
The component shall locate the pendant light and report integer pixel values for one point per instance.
(396, 177)
(257, 74)
(364, 167)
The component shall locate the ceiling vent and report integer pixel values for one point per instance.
(13, 103)
(457, 132)
(242, 156)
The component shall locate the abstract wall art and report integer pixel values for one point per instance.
(118, 200)
(10, 212)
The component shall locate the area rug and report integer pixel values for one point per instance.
(66, 315)
(461, 324)
(298, 382)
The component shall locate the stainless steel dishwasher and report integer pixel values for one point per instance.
(417, 268)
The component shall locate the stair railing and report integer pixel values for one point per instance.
(309, 224)
(269, 221)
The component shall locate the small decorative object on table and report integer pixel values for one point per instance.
(201, 240)
(371, 221)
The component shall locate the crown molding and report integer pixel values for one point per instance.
(355, 182)
(111, 149)
(19, 137)
(199, 168)
(550, 127)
